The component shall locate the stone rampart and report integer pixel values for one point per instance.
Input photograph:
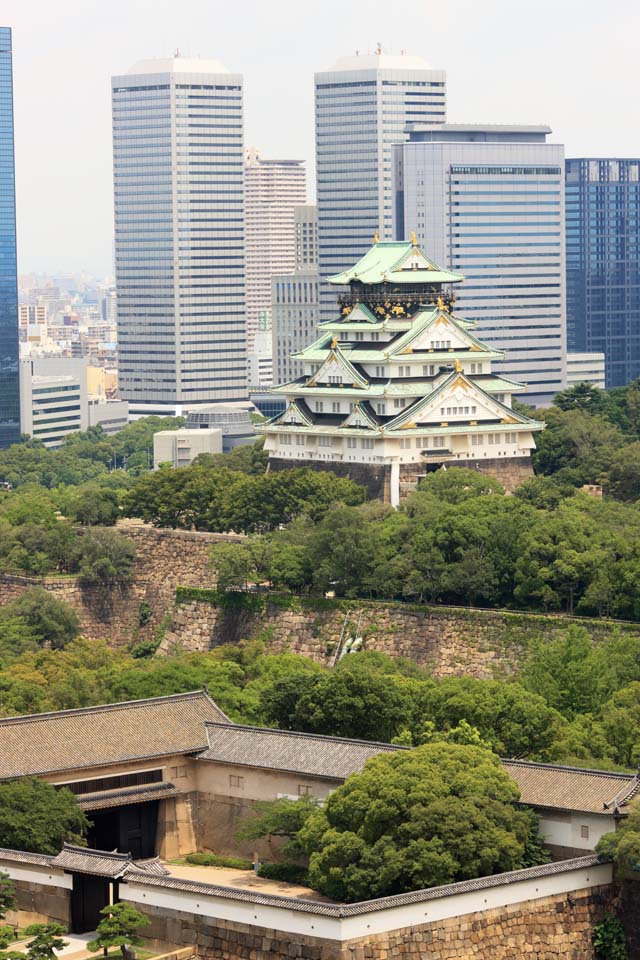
(449, 640)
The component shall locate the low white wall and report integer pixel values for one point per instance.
(300, 917)
(566, 829)
(28, 873)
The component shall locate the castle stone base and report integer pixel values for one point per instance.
(376, 477)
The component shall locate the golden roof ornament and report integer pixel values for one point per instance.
(334, 342)
(457, 366)
(376, 237)
(414, 239)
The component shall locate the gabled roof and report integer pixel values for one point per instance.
(114, 733)
(572, 788)
(361, 412)
(393, 262)
(104, 863)
(296, 411)
(338, 360)
(409, 414)
(127, 795)
(330, 758)
(422, 323)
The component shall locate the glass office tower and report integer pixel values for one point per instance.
(487, 201)
(179, 234)
(9, 351)
(603, 263)
(363, 104)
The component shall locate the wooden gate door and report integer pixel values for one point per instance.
(88, 897)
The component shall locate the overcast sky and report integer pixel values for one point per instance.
(574, 64)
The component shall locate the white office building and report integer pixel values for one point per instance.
(305, 222)
(179, 234)
(488, 201)
(53, 398)
(295, 321)
(586, 368)
(363, 104)
(273, 190)
(181, 447)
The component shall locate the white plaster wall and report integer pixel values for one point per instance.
(565, 830)
(257, 784)
(282, 918)
(27, 873)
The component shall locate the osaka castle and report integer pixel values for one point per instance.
(398, 385)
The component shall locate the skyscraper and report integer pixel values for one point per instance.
(179, 233)
(9, 348)
(273, 189)
(489, 202)
(363, 104)
(603, 263)
(295, 304)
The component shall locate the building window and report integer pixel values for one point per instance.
(319, 406)
(305, 790)
(335, 406)
(325, 441)
(584, 832)
(379, 371)
(366, 444)
(438, 442)
(235, 781)
(352, 442)
(405, 443)
(299, 440)
(477, 440)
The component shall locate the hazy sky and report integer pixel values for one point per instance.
(574, 64)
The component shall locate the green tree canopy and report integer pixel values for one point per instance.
(51, 621)
(35, 816)
(119, 928)
(414, 819)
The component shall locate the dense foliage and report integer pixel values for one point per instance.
(119, 928)
(420, 818)
(36, 816)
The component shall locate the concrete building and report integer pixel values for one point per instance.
(273, 189)
(488, 201)
(30, 314)
(363, 104)
(53, 398)
(603, 263)
(398, 385)
(111, 415)
(305, 223)
(233, 419)
(296, 316)
(181, 447)
(586, 368)
(261, 359)
(179, 234)
(9, 339)
(295, 307)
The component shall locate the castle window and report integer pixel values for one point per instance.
(235, 781)
(325, 441)
(477, 440)
(421, 442)
(379, 371)
(438, 442)
(379, 407)
(405, 443)
(335, 406)
(305, 790)
(366, 444)
(285, 438)
(299, 440)
(584, 832)
(352, 442)
(335, 379)
(398, 404)
(319, 406)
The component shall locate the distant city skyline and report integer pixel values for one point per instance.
(65, 55)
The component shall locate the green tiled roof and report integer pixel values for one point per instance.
(383, 264)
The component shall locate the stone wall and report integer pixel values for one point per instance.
(40, 903)
(558, 927)
(449, 640)
(164, 559)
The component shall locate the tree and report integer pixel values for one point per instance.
(118, 928)
(7, 894)
(459, 483)
(35, 816)
(623, 845)
(52, 621)
(340, 703)
(46, 942)
(283, 818)
(92, 505)
(104, 555)
(582, 396)
(413, 819)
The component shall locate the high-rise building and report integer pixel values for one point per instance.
(489, 202)
(363, 104)
(398, 385)
(273, 189)
(295, 303)
(179, 234)
(9, 344)
(602, 199)
(305, 220)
